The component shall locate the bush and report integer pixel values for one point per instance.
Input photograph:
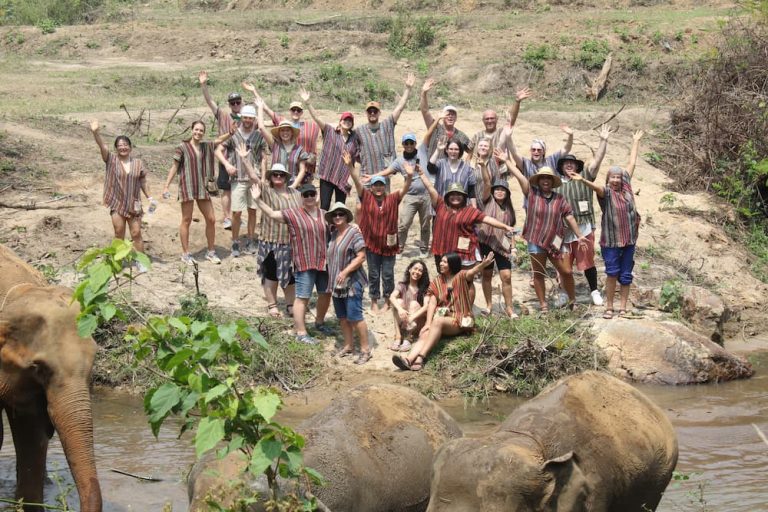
(51, 12)
(410, 36)
(352, 85)
(535, 55)
(593, 53)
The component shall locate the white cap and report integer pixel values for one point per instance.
(248, 111)
(451, 108)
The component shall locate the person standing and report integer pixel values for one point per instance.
(224, 121)
(491, 130)
(248, 137)
(194, 161)
(283, 139)
(377, 138)
(378, 222)
(448, 167)
(446, 130)
(333, 172)
(124, 179)
(539, 157)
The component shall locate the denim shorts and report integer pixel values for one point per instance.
(309, 279)
(350, 308)
(537, 249)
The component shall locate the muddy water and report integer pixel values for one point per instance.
(714, 423)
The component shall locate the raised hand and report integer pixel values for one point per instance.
(506, 132)
(410, 79)
(243, 151)
(202, 76)
(248, 87)
(638, 135)
(498, 154)
(255, 191)
(523, 93)
(566, 129)
(488, 260)
(409, 170)
(304, 95)
(259, 102)
(347, 158)
(94, 125)
(429, 83)
(442, 143)
(605, 132)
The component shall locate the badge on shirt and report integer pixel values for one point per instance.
(392, 240)
(136, 206)
(583, 206)
(557, 242)
(506, 245)
(463, 244)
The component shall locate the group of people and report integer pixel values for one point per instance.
(309, 239)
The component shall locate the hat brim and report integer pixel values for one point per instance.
(329, 215)
(445, 196)
(276, 131)
(534, 181)
(561, 163)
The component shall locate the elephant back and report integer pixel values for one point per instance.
(14, 272)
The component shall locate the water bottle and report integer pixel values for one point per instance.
(166, 195)
(152, 206)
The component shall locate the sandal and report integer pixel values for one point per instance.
(395, 345)
(342, 352)
(289, 310)
(544, 310)
(363, 357)
(622, 313)
(417, 366)
(406, 346)
(608, 314)
(274, 311)
(401, 362)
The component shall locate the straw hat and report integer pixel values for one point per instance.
(284, 124)
(338, 206)
(544, 172)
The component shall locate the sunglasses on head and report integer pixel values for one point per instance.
(309, 194)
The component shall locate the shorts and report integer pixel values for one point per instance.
(350, 307)
(619, 262)
(309, 279)
(241, 196)
(502, 261)
(584, 257)
(223, 179)
(537, 249)
(274, 263)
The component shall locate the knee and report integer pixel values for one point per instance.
(566, 273)
(625, 279)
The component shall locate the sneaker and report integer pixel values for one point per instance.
(562, 300)
(188, 259)
(423, 252)
(250, 247)
(324, 329)
(227, 223)
(597, 299)
(235, 249)
(211, 256)
(306, 339)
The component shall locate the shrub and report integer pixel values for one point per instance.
(671, 297)
(535, 55)
(53, 12)
(593, 53)
(410, 36)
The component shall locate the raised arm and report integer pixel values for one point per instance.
(202, 77)
(304, 94)
(427, 183)
(424, 101)
(300, 176)
(99, 141)
(506, 136)
(633, 153)
(432, 127)
(250, 87)
(439, 150)
(594, 167)
(407, 183)
(409, 81)
(268, 211)
(496, 223)
(477, 269)
(514, 170)
(569, 139)
(354, 173)
(514, 110)
(599, 189)
(486, 174)
(224, 137)
(267, 134)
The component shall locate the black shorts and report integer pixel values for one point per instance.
(223, 179)
(269, 267)
(502, 262)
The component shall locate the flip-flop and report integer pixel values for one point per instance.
(343, 353)
(608, 314)
(417, 366)
(401, 362)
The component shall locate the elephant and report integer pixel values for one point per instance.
(45, 369)
(588, 442)
(374, 445)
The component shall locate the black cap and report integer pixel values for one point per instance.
(307, 187)
(570, 158)
(234, 96)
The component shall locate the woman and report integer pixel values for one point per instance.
(286, 151)
(450, 168)
(449, 311)
(484, 159)
(346, 254)
(619, 227)
(408, 306)
(333, 172)
(194, 161)
(125, 178)
(497, 204)
(544, 230)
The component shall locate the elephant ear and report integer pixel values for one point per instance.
(17, 341)
(567, 488)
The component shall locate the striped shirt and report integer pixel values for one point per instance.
(544, 220)
(332, 167)
(494, 138)
(530, 168)
(257, 145)
(496, 238)
(378, 222)
(309, 131)
(456, 134)
(195, 169)
(579, 196)
(455, 231)
(291, 159)
(496, 171)
(122, 190)
(456, 297)
(342, 249)
(224, 122)
(444, 176)
(271, 230)
(377, 146)
(308, 234)
(621, 220)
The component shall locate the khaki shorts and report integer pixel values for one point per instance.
(241, 196)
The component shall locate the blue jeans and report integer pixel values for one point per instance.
(619, 262)
(380, 268)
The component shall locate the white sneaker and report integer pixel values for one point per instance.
(597, 299)
(562, 300)
(211, 256)
(188, 259)
(227, 223)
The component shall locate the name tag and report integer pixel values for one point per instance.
(463, 244)
(136, 206)
(557, 242)
(506, 245)
(583, 206)
(391, 240)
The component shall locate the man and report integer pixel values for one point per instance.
(447, 129)
(377, 219)
(377, 139)
(416, 200)
(224, 121)
(248, 137)
(492, 131)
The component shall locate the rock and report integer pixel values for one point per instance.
(706, 311)
(666, 353)
(644, 298)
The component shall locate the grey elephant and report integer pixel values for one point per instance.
(374, 445)
(589, 442)
(45, 370)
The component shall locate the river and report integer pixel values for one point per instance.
(720, 449)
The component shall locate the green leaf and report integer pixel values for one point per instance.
(227, 332)
(266, 402)
(197, 327)
(215, 392)
(143, 259)
(295, 459)
(257, 338)
(86, 325)
(99, 275)
(209, 432)
(163, 400)
(88, 257)
(122, 249)
(264, 454)
(178, 358)
(315, 476)
(189, 402)
(178, 324)
(108, 310)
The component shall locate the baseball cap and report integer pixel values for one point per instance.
(409, 136)
(295, 104)
(378, 179)
(450, 108)
(346, 115)
(248, 111)
(307, 187)
(373, 104)
(234, 96)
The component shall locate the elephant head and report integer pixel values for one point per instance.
(505, 473)
(45, 366)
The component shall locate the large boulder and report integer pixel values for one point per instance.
(666, 352)
(706, 311)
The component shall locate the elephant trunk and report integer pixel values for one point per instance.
(69, 407)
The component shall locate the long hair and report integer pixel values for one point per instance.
(192, 127)
(423, 283)
(454, 262)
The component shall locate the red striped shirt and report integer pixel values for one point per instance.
(544, 219)
(379, 221)
(122, 189)
(451, 226)
(332, 167)
(309, 235)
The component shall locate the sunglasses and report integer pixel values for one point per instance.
(372, 111)
(339, 214)
(279, 175)
(236, 102)
(409, 143)
(308, 194)
(296, 109)
(537, 150)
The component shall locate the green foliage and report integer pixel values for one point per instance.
(671, 297)
(535, 55)
(637, 63)
(522, 258)
(284, 40)
(738, 188)
(352, 85)
(593, 53)
(652, 157)
(47, 26)
(201, 363)
(757, 243)
(667, 201)
(48, 13)
(409, 36)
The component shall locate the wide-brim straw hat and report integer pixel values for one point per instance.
(545, 172)
(284, 124)
(570, 158)
(336, 207)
